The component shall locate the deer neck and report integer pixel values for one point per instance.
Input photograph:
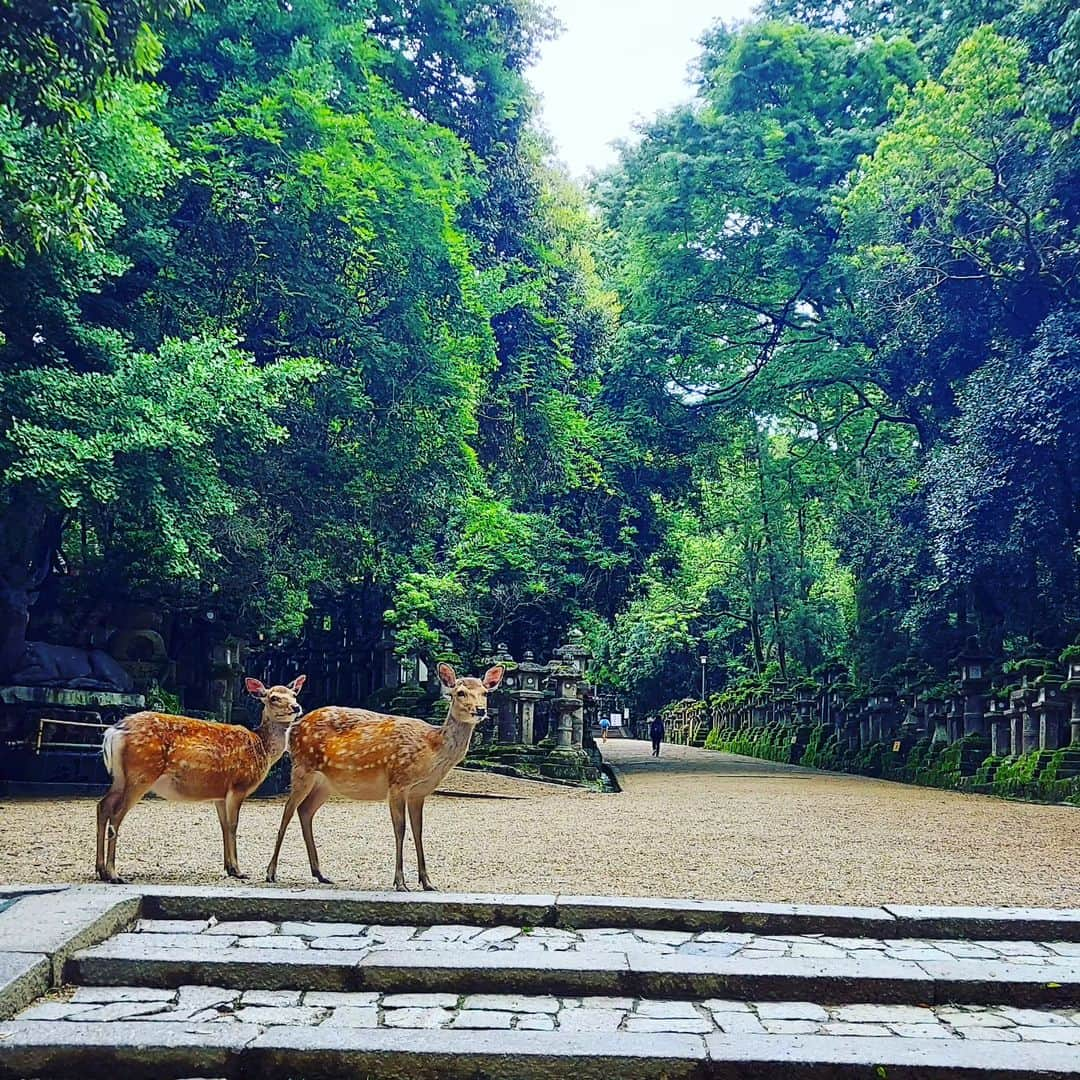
(455, 742)
(273, 737)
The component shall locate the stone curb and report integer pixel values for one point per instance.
(23, 977)
(585, 912)
(134, 1050)
(58, 924)
(988, 924)
(791, 1057)
(339, 905)
(154, 1050)
(285, 1053)
(127, 961)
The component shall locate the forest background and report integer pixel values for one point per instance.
(294, 307)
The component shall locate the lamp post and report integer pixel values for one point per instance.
(704, 660)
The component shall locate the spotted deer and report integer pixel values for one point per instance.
(370, 756)
(179, 758)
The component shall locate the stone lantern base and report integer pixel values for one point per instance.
(569, 764)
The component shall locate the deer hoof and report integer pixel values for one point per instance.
(237, 874)
(271, 875)
(428, 887)
(114, 879)
(322, 879)
(400, 886)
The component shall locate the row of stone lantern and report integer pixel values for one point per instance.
(1042, 713)
(510, 735)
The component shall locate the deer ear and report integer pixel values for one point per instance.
(447, 676)
(493, 676)
(298, 684)
(253, 686)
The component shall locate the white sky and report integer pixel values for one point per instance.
(618, 61)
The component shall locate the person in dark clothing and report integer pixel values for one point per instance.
(656, 733)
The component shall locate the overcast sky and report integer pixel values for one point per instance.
(615, 62)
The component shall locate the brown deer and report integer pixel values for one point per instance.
(370, 756)
(177, 757)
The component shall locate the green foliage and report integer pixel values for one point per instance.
(294, 313)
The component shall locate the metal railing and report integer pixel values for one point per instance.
(40, 744)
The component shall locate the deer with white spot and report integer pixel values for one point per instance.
(371, 756)
(188, 760)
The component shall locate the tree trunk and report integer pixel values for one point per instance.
(770, 562)
(29, 537)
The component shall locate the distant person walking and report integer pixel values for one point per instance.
(656, 733)
(605, 724)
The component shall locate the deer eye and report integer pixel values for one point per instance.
(461, 693)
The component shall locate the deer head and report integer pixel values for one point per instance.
(468, 697)
(279, 702)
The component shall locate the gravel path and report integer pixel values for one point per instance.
(692, 824)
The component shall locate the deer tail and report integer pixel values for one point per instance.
(111, 746)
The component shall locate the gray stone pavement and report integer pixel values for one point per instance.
(449, 999)
(300, 936)
(262, 1009)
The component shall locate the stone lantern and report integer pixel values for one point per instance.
(523, 685)
(974, 670)
(1071, 689)
(567, 761)
(1025, 730)
(227, 665)
(1051, 711)
(996, 720)
(573, 658)
(759, 710)
(499, 724)
(954, 719)
(936, 718)
(881, 707)
(910, 724)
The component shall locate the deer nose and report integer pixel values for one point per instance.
(481, 714)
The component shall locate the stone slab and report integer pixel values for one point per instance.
(58, 923)
(792, 1057)
(444, 1055)
(648, 913)
(780, 979)
(130, 959)
(23, 977)
(993, 982)
(8, 891)
(494, 973)
(117, 963)
(984, 923)
(347, 906)
(135, 1050)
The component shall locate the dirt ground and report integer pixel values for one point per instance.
(692, 824)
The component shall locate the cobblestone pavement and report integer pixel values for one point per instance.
(693, 823)
(356, 937)
(199, 1005)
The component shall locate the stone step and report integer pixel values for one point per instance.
(237, 983)
(139, 1050)
(582, 912)
(522, 1012)
(463, 960)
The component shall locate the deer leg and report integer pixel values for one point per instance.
(233, 802)
(302, 783)
(316, 797)
(106, 808)
(416, 820)
(397, 816)
(128, 798)
(223, 819)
